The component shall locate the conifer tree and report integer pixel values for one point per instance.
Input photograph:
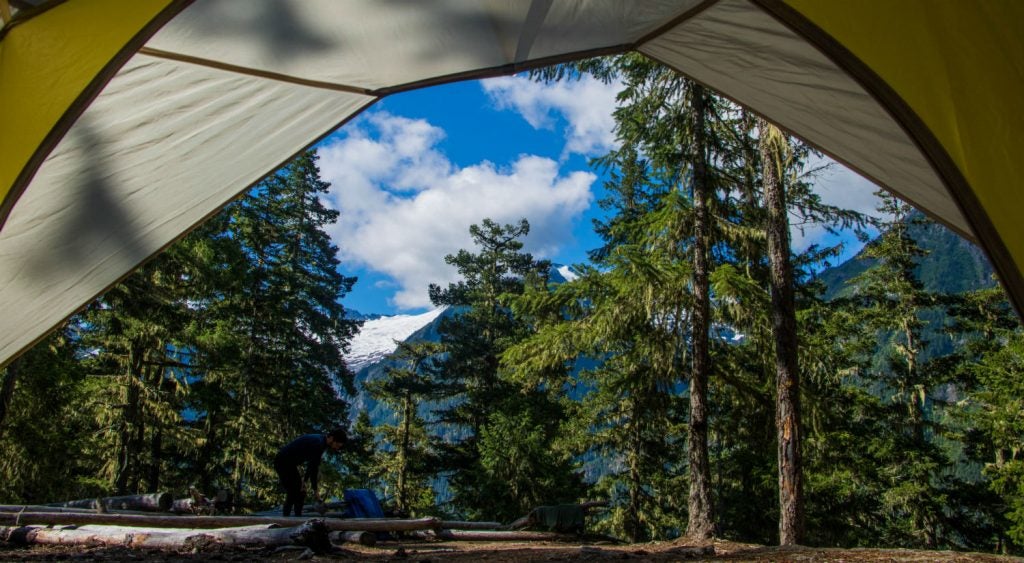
(494, 476)
(44, 408)
(991, 364)
(280, 329)
(891, 301)
(630, 414)
(135, 334)
(408, 460)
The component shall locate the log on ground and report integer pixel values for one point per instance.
(30, 508)
(207, 522)
(153, 502)
(362, 538)
(495, 535)
(312, 534)
(333, 507)
(460, 525)
(186, 506)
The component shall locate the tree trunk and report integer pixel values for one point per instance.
(153, 502)
(128, 448)
(7, 390)
(403, 453)
(787, 403)
(156, 447)
(632, 522)
(312, 534)
(701, 523)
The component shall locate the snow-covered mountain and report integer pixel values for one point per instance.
(566, 273)
(376, 340)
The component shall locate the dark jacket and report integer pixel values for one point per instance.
(308, 449)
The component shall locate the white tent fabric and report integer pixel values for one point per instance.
(122, 185)
(381, 45)
(229, 90)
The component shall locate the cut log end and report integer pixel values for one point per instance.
(314, 535)
(361, 538)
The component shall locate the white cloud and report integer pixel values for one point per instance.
(586, 105)
(404, 205)
(843, 188)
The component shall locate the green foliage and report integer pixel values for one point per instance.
(278, 333)
(46, 416)
(991, 415)
(490, 479)
(197, 367)
(405, 460)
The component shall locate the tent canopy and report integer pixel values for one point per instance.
(125, 124)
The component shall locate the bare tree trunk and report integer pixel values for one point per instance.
(632, 524)
(403, 454)
(787, 403)
(7, 390)
(129, 444)
(156, 447)
(701, 523)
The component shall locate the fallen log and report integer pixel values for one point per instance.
(494, 535)
(693, 551)
(21, 508)
(207, 522)
(312, 534)
(44, 508)
(153, 502)
(561, 518)
(186, 506)
(328, 507)
(362, 538)
(460, 525)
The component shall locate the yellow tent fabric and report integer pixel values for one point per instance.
(125, 124)
(959, 66)
(48, 62)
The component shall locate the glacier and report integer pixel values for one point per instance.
(376, 339)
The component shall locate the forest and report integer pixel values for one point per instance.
(696, 357)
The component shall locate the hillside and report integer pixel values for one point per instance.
(953, 264)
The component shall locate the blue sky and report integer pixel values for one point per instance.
(411, 174)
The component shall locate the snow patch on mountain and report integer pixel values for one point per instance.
(567, 273)
(377, 337)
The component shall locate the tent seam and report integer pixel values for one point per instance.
(914, 126)
(248, 71)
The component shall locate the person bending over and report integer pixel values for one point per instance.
(307, 449)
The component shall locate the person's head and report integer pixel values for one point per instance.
(337, 438)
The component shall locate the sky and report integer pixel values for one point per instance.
(412, 173)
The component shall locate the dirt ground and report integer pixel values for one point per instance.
(444, 552)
